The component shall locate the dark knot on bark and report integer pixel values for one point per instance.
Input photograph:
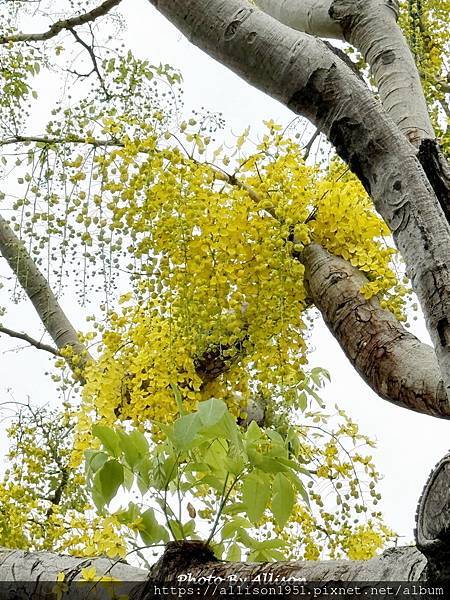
(179, 557)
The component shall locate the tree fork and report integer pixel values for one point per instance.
(437, 171)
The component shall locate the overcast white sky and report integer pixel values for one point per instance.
(408, 444)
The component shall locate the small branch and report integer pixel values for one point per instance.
(62, 25)
(309, 145)
(29, 340)
(93, 58)
(55, 499)
(219, 359)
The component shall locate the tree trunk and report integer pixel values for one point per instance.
(433, 521)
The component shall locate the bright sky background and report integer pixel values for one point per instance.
(408, 444)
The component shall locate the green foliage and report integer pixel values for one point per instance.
(44, 503)
(237, 478)
(244, 489)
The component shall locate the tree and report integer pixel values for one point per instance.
(242, 344)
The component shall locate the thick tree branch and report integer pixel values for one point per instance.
(26, 338)
(39, 292)
(19, 565)
(62, 25)
(183, 558)
(371, 27)
(392, 361)
(304, 74)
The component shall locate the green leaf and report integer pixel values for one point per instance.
(266, 548)
(283, 499)
(108, 438)
(299, 486)
(95, 459)
(255, 495)
(140, 441)
(211, 411)
(234, 553)
(128, 479)
(166, 471)
(215, 482)
(144, 470)
(255, 457)
(184, 431)
(275, 437)
(189, 528)
(151, 531)
(134, 447)
(232, 526)
(246, 539)
(253, 433)
(218, 550)
(215, 457)
(108, 480)
(233, 508)
(234, 464)
(270, 544)
(294, 466)
(302, 401)
(175, 527)
(314, 395)
(272, 465)
(128, 515)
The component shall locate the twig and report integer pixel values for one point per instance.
(309, 145)
(51, 141)
(30, 340)
(62, 25)
(93, 58)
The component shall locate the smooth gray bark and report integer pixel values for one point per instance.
(303, 73)
(400, 564)
(371, 27)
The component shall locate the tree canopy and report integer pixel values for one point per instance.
(188, 409)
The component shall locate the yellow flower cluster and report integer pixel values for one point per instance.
(217, 279)
(43, 501)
